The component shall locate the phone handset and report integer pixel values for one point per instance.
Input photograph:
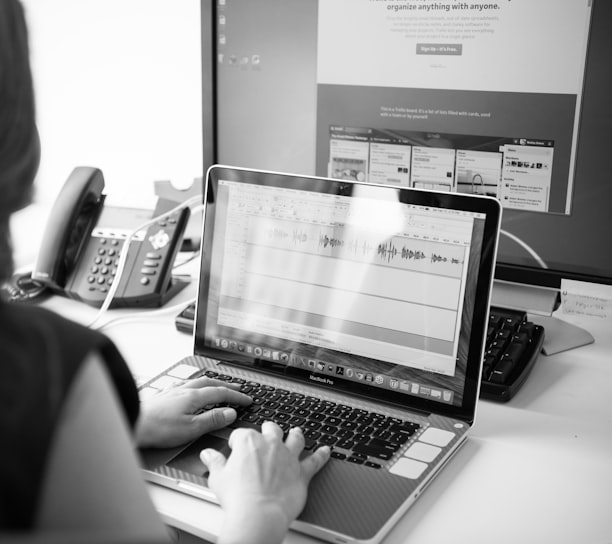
(72, 218)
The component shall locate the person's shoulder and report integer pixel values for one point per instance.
(39, 319)
(35, 336)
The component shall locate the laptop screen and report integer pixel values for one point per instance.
(375, 290)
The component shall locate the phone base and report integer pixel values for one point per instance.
(153, 300)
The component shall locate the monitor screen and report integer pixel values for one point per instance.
(508, 98)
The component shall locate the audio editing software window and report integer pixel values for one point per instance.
(373, 276)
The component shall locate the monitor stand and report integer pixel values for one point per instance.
(540, 303)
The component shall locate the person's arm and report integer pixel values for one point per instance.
(92, 482)
(262, 486)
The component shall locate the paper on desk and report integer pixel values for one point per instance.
(587, 299)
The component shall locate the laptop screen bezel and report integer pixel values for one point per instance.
(487, 206)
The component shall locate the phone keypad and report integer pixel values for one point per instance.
(104, 266)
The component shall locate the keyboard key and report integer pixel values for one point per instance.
(374, 451)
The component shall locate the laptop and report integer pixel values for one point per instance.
(356, 311)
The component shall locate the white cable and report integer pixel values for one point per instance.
(526, 247)
(124, 251)
(194, 255)
(150, 315)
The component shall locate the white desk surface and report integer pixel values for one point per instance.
(535, 470)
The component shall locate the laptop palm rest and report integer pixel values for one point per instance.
(343, 497)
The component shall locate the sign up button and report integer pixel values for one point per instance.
(439, 49)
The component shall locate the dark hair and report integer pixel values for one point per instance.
(19, 143)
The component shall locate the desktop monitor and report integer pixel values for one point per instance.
(509, 98)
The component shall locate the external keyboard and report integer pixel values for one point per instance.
(513, 345)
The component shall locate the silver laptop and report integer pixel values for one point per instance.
(355, 311)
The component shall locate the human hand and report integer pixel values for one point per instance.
(173, 416)
(262, 486)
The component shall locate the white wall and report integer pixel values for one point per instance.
(118, 86)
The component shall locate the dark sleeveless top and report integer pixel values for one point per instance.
(40, 354)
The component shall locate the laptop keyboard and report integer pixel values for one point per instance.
(355, 435)
(513, 345)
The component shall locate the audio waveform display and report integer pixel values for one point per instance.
(319, 240)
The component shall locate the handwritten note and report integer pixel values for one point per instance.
(587, 299)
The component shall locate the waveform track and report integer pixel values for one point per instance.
(388, 251)
(327, 241)
(297, 236)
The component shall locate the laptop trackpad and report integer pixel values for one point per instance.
(189, 461)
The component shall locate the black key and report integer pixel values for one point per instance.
(407, 429)
(384, 444)
(328, 439)
(373, 451)
(329, 429)
(266, 412)
(365, 429)
(350, 425)
(529, 329)
(357, 459)
(314, 425)
(512, 323)
(344, 433)
(335, 421)
(517, 348)
(399, 438)
(382, 433)
(502, 370)
(312, 435)
(345, 444)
